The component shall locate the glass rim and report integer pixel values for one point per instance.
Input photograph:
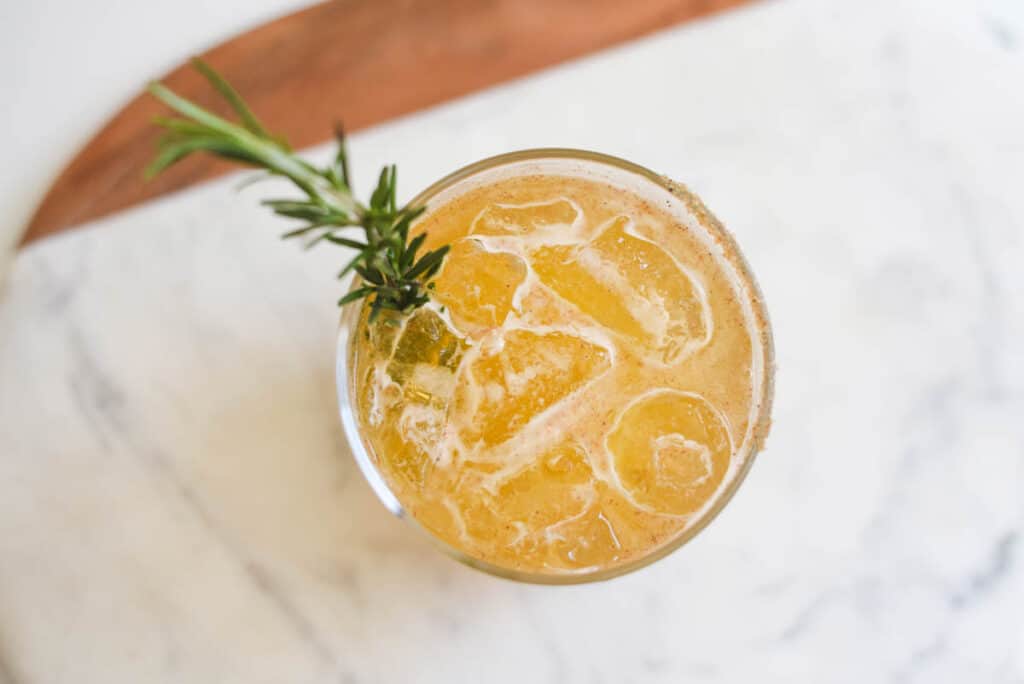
(760, 421)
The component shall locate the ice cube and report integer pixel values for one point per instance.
(506, 385)
(425, 339)
(670, 450)
(478, 286)
(630, 285)
(415, 394)
(587, 540)
(555, 487)
(522, 219)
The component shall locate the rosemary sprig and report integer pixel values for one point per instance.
(386, 259)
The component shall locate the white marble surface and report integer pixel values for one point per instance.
(177, 505)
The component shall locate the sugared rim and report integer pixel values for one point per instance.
(761, 420)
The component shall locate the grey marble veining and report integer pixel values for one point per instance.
(177, 503)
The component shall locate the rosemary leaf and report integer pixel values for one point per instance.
(386, 259)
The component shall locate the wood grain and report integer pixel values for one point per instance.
(361, 61)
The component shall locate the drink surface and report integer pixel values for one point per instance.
(583, 386)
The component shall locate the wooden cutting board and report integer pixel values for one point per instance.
(359, 61)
